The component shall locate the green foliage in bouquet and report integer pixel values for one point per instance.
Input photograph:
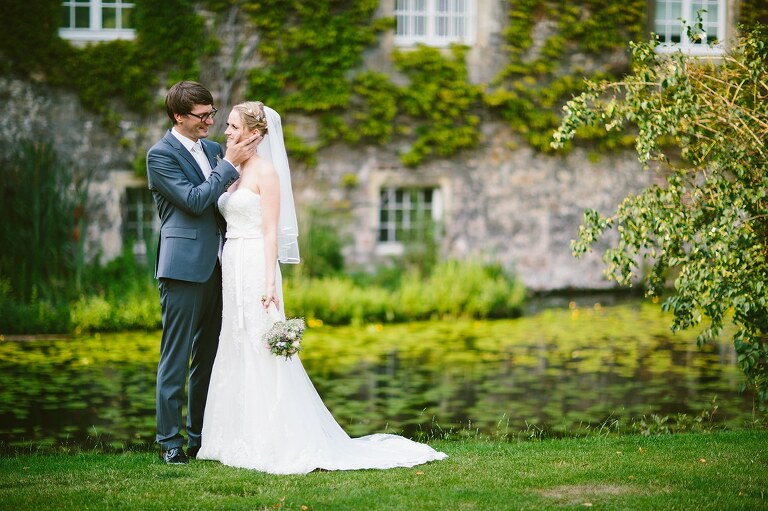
(284, 338)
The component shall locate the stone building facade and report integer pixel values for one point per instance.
(501, 201)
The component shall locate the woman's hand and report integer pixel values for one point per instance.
(270, 296)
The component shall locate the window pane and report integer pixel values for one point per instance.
(82, 17)
(401, 25)
(675, 11)
(420, 26)
(408, 214)
(66, 22)
(458, 28)
(442, 26)
(140, 222)
(127, 18)
(439, 21)
(698, 5)
(676, 34)
(668, 25)
(108, 17)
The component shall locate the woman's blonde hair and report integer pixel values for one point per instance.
(253, 116)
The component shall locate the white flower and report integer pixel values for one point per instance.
(284, 337)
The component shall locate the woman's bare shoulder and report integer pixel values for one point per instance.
(264, 168)
(265, 175)
(257, 167)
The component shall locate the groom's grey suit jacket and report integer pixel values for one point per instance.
(190, 223)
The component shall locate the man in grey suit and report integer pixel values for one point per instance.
(187, 174)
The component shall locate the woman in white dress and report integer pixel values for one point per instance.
(263, 412)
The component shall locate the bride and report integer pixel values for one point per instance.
(263, 412)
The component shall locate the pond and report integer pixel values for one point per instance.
(562, 370)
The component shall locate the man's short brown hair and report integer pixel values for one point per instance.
(183, 97)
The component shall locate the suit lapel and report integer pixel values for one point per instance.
(186, 156)
(210, 152)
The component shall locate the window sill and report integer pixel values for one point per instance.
(389, 248)
(692, 51)
(88, 35)
(434, 43)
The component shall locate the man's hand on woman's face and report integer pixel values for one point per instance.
(243, 149)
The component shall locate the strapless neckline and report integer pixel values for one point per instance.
(250, 192)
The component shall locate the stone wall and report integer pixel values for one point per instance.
(509, 205)
(513, 206)
(501, 201)
(36, 112)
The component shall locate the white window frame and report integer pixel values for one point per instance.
(141, 224)
(392, 245)
(95, 31)
(457, 17)
(664, 20)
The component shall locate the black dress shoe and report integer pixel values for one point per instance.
(175, 456)
(192, 451)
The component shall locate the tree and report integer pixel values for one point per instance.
(702, 124)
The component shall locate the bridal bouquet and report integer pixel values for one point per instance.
(284, 337)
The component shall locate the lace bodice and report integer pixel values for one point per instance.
(242, 211)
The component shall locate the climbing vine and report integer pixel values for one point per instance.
(312, 53)
(310, 49)
(126, 70)
(437, 110)
(531, 89)
(753, 12)
(441, 102)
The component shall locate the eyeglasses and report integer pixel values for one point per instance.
(204, 117)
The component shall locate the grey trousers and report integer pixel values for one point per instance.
(191, 314)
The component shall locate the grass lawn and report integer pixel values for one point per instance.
(723, 471)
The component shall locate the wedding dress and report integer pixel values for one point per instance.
(263, 412)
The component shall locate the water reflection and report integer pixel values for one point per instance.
(564, 369)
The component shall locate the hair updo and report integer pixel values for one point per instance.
(253, 116)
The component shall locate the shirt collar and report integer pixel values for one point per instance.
(187, 143)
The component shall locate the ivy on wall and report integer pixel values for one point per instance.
(28, 44)
(752, 12)
(127, 70)
(437, 111)
(440, 101)
(313, 50)
(310, 49)
(529, 92)
(310, 58)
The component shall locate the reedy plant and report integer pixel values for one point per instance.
(44, 203)
(704, 124)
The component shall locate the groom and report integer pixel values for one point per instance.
(187, 175)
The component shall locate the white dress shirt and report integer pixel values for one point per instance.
(196, 149)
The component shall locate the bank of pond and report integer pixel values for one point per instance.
(563, 371)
